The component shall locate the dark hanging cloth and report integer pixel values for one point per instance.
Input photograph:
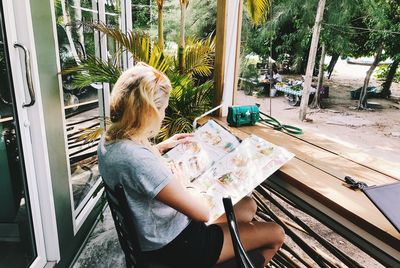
(387, 199)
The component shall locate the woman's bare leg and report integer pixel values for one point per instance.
(244, 210)
(266, 236)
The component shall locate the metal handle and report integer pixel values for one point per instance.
(28, 75)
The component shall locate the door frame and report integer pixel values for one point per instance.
(32, 132)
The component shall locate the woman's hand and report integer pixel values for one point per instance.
(179, 174)
(181, 138)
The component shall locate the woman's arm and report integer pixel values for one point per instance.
(173, 141)
(174, 194)
(179, 198)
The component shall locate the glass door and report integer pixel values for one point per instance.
(21, 239)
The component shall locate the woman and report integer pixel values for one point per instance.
(170, 220)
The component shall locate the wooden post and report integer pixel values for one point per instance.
(220, 52)
(311, 60)
(237, 59)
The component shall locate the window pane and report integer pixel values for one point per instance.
(113, 21)
(77, 42)
(141, 15)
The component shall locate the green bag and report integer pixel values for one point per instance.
(243, 115)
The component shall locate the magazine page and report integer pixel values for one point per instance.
(210, 143)
(239, 172)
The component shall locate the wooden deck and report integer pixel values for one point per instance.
(315, 176)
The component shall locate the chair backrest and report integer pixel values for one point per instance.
(242, 259)
(123, 220)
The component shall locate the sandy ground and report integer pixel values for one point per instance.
(375, 132)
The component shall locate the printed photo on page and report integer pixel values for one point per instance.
(209, 144)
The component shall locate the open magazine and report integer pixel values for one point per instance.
(216, 164)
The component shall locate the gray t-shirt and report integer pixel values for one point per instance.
(143, 176)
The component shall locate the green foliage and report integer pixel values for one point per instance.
(94, 70)
(192, 91)
(199, 56)
(291, 22)
(382, 71)
(141, 15)
(256, 39)
(139, 44)
(248, 76)
(186, 102)
(171, 20)
(258, 10)
(249, 71)
(202, 18)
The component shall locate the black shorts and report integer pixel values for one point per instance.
(198, 245)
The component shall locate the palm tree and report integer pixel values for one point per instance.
(189, 98)
(181, 57)
(186, 102)
(160, 5)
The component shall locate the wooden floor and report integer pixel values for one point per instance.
(318, 171)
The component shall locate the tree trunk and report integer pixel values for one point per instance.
(389, 78)
(160, 29)
(67, 26)
(362, 102)
(311, 60)
(181, 54)
(78, 19)
(317, 99)
(332, 64)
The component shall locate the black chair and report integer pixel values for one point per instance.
(241, 257)
(129, 241)
(125, 227)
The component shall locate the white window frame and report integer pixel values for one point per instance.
(232, 48)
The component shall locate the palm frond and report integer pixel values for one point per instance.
(199, 56)
(93, 133)
(174, 125)
(90, 134)
(139, 44)
(93, 70)
(258, 10)
(186, 103)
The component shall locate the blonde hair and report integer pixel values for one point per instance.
(135, 103)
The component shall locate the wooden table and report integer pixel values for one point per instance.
(314, 181)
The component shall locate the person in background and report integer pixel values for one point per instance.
(171, 221)
(276, 77)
